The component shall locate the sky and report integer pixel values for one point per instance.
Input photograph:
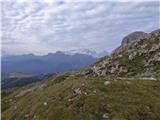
(61, 25)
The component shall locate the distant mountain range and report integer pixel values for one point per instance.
(51, 63)
(93, 53)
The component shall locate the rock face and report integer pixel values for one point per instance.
(138, 55)
(135, 36)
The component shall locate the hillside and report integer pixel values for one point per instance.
(138, 56)
(122, 86)
(75, 98)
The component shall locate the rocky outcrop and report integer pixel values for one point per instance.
(138, 55)
(133, 37)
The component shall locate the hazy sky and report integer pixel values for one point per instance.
(42, 27)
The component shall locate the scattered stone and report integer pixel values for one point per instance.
(15, 107)
(131, 56)
(106, 82)
(26, 115)
(105, 116)
(113, 69)
(128, 82)
(77, 91)
(34, 116)
(120, 56)
(45, 103)
(83, 84)
(70, 100)
(94, 91)
(103, 73)
(123, 70)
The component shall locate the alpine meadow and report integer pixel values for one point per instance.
(80, 60)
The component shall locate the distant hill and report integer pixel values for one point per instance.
(51, 63)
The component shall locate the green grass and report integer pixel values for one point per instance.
(121, 100)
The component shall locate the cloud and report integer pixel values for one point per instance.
(75, 1)
(42, 27)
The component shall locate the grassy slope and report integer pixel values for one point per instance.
(119, 100)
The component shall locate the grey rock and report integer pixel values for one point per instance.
(77, 91)
(135, 36)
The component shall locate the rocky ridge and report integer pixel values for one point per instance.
(138, 55)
